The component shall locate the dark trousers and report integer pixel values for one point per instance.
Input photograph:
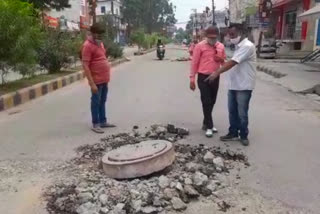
(238, 105)
(209, 92)
(98, 104)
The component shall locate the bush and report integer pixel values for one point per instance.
(147, 40)
(147, 43)
(19, 37)
(114, 50)
(138, 38)
(57, 50)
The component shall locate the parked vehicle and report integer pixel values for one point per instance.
(268, 50)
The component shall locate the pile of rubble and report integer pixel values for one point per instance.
(194, 175)
(181, 59)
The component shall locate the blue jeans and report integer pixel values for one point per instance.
(238, 105)
(98, 104)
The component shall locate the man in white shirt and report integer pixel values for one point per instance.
(242, 77)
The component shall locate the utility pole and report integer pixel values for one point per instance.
(93, 6)
(195, 23)
(213, 14)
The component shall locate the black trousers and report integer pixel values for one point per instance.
(209, 92)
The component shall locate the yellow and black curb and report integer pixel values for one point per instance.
(24, 95)
(270, 71)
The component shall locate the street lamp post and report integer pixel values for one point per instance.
(195, 23)
(213, 14)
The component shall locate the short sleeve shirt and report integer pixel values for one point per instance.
(95, 57)
(243, 75)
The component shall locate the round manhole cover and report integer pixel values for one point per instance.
(137, 151)
(138, 160)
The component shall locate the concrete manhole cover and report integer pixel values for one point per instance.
(137, 151)
(138, 160)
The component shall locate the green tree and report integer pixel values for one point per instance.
(49, 4)
(19, 37)
(111, 30)
(152, 15)
(138, 37)
(181, 35)
(57, 50)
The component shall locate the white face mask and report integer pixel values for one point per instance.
(236, 40)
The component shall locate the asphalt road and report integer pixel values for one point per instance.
(285, 132)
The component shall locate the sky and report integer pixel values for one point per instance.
(184, 8)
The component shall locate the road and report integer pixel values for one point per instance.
(284, 150)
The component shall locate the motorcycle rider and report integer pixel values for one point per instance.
(159, 43)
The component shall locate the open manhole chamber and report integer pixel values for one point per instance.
(138, 160)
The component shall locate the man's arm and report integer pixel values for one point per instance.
(195, 63)
(86, 58)
(226, 66)
(240, 56)
(221, 55)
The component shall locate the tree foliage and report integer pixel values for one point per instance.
(57, 50)
(49, 4)
(181, 34)
(114, 50)
(152, 15)
(19, 37)
(138, 37)
(146, 41)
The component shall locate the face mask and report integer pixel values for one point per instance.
(236, 40)
(98, 41)
(212, 41)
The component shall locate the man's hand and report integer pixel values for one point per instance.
(192, 85)
(94, 88)
(212, 77)
(218, 59)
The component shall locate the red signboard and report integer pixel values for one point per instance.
(51, 21)
(84, 22)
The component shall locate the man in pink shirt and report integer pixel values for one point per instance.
(192, 46)
(208, 56)
(97, 71)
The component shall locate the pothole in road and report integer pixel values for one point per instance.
(198, 173)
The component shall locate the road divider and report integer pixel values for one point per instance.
(27, 94)
(270, 71)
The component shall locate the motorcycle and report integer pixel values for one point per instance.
(160, 52)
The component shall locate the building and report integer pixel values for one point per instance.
(313, 14)
(246, 12)
(68, 18)
(201, 21)
(196, 22)
(238, 10)
(85, 17)
(113, 8)
(71, 14)
(298, 37)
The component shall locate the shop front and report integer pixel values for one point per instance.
(295, 36)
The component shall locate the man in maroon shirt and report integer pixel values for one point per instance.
(97, 71)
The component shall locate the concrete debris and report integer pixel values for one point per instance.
(218, 162)
(208, 158)
(193, 176)
(200, 179)
(164, 182)
(178, 204)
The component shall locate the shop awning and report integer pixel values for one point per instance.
(313, 13)
(278, 3)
